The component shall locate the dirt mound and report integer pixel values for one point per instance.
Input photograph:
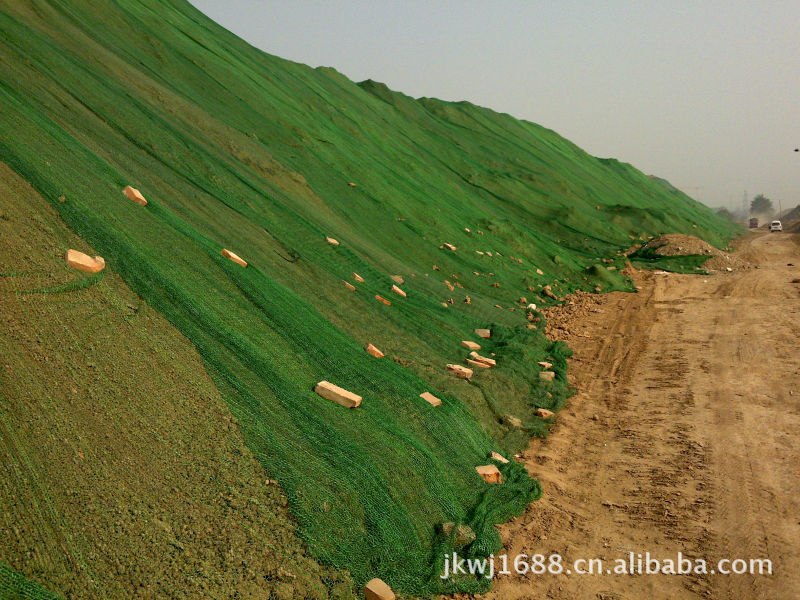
(678, 244)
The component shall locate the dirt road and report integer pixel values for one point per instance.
(684, 436)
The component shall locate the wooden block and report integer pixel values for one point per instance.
(430, 399)
(234, 257)
(332, 241)
(358, 278)
(489, 361)
(544, 413)
(376, 589)
(336, 394)
(459, 371)
(483, 333)
(133, 194)
(84, 262)
(490, 473)
(477, 364)
(384, 300)
(498, 457)
(450, 247)
(398, 291)
(398, 279)
(374, 351)
(545, 365)
(547, 375)
(349, 285)
(470, 345)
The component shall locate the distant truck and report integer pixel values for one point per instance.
(775, 226)
(754, 223)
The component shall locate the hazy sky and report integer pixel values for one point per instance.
(705, 94)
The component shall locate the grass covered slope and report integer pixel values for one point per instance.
(234, 148)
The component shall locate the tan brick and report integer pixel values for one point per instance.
(84, 262)
(470, 345)
(374, 351)
(490, 473)
(376, 589)
(233, 257)
(398, 279)
(398, 291)
(133, 194)
(358, 278)
(336, 394)
(483, 333)
(459, 371)
(430, 399)
(332, 241)
(544, 413)
(498, 457)
(547, 375)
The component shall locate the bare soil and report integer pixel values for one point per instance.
(683, 435)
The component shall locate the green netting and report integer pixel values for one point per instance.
(14, 586)
(238, 149)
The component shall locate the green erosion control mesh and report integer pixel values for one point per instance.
(237, 149)
(14, 586)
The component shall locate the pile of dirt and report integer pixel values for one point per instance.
(678, 244)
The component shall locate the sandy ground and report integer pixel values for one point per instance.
(684, 436)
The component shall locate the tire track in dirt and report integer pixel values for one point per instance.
(682, 436)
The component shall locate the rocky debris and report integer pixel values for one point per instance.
(531, 306)
(336, 394)
(449, 247)
(351, 184)
(462, 534)
(332, 241)
(382, 299)
(547, 375)
(678, 244)
(398, 279)
(374, 351)
(358, 278)
(349, 285)
(522, 300)
(478, 252)
(483, 333)
(539, 272)
(398, 291)
(477, 363)
(498, 457)
(489, 361)
(470, 345)
(451, 301)
(435, 268)
(544, 413)
(430, 399)
(84, 262)
(131, 193)
(498, 306)
(449, 285)
(548, 291)
(512, 421)
(459, 371)
(496, 284)
(490, 473)
(467, 300)
(545, 365)
(376, 589)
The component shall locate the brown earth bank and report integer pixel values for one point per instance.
(122, 472)
(683, 436)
